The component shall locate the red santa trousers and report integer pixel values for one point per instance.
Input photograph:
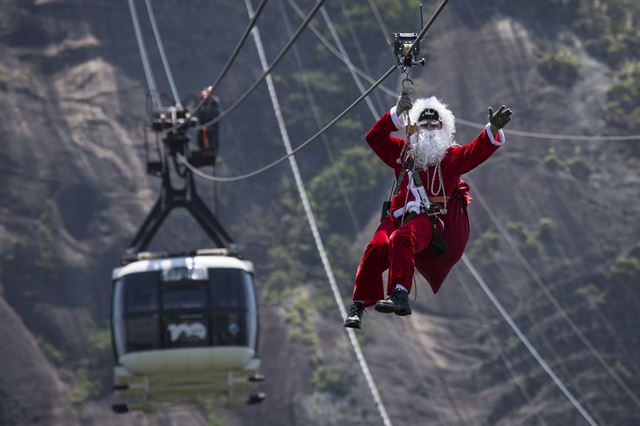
(401, 249)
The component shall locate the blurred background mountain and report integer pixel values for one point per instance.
(550, 217)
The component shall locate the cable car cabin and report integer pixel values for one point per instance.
(184, 326)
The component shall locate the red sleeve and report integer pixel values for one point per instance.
(386, 147)
(468, 157)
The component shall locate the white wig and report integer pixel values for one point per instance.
(446, 116)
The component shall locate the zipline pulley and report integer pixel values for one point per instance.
(406, 56)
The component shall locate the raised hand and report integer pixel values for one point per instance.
(404, 102)
(500, 118)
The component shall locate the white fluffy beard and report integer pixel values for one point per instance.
(428, 147)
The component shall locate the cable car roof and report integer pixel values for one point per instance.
(200, 260)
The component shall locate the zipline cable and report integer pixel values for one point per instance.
(378, 16)
(313, 225)
(465, 260)
(551, 136)
(316, 117)
(163, 56)
(554, 301)
(348, 60)
(351, 28)
(350, 66)
(151, 83)
(526, 342)
(496, 345)
(538, 280)
(269, 68)
(233, 56)
(534, 135)
(324, 129)
(304, 144)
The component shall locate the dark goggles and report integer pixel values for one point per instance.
(429, 118)
(429, 123)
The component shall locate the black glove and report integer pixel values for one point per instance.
(404, 102)
(500, 118)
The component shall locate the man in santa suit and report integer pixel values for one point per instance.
(426, 225)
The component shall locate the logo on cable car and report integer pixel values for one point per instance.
(180, 331)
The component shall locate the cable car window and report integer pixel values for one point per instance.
(141, 292)
(233, 321)
(142, 333)
(227, 288)
(189, 298)
(185, 321)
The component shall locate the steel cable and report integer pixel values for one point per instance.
(148, 73)
(316, 117)
(163, 56)
(314, 227)
(535, 135)
(275, 62)
(574, 401)
(294, 151)
(233, 56)
(325, 128)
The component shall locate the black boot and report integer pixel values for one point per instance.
(354, 319)
(397, 303)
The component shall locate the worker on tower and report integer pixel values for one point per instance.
(208, 136)
(425, 224)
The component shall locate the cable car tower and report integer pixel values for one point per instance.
(183, 324)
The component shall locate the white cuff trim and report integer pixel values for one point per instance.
(492, 138)
(399, 122)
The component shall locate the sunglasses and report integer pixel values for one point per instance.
(431, 123)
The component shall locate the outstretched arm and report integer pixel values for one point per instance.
(470, 156)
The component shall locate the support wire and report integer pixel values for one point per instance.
(316, 117)
(151, 82)
(268, 70)
(526, 342)
(163, 56)
(313, 225)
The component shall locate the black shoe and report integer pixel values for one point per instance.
(354, 319)
(397, 303)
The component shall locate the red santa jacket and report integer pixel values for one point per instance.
(457, 161)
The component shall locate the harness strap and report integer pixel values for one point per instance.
(407, 163)
(424, 198)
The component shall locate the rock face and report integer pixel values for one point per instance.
(24, 367)
(74, 190)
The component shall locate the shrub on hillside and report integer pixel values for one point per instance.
(623, 99)
(560, 68)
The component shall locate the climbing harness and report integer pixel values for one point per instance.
(433, 207)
